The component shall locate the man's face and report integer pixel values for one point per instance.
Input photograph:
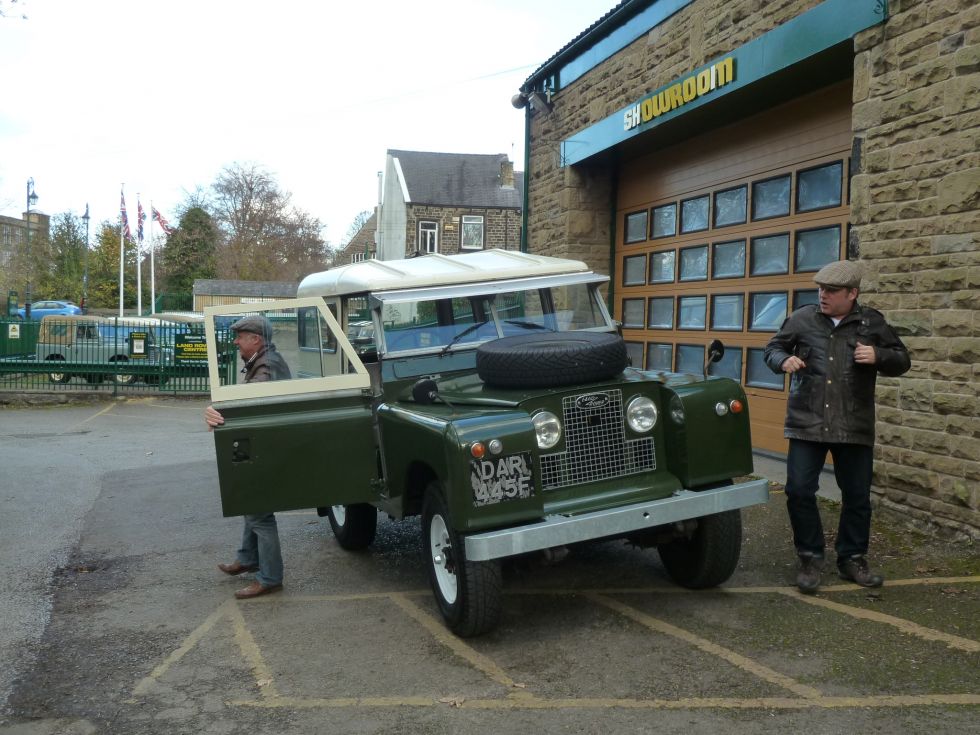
(836, 301)
(248, 344)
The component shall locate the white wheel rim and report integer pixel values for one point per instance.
(56, 377)
(440, 549)
(339, 514)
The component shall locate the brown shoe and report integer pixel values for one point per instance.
(808, 578)
(236, 568)
(256, 590)
(855, 569)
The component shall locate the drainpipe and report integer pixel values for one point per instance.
(527, 178)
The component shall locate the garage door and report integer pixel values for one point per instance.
(719, 237)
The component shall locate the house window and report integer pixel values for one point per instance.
(636, 226)
(357, 257)
(472, 232)
(428, 236)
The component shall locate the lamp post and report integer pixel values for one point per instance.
(31, 199)
(85, 259)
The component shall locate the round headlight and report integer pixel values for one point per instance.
(641, 414)
(547, 428)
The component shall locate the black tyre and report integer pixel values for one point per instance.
(58, 377)
(551, 359)
(353, 525)
(467, 592)
(709, 556)
(121, 378)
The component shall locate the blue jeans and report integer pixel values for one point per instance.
(260, 546)
(852, 468)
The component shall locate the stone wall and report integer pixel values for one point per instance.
(915, 214)
(915, 207)
(501, 227)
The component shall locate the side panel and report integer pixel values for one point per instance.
(298, 454)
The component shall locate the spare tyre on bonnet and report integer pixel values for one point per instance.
(497, 402)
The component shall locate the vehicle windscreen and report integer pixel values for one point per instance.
(467, 321)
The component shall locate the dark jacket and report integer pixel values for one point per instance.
(832, 399)
(266, 364)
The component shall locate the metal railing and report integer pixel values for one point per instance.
(121, 355)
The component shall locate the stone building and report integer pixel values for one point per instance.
(362, 246)
(217, 292)
(448, 203)
(711, 155)
(13, 245)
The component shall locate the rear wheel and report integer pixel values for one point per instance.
(708, 556)
(58, 377)
(354, 525)
(467, 592)
(122, 378)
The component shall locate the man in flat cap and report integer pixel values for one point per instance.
(833, 351)
(260, 551)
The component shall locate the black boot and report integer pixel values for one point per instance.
(855, 569)
(808, 578)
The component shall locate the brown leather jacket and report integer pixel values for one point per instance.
(266, 364)
(832, 399)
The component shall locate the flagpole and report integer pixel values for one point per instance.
(153, 282)
(121, 249)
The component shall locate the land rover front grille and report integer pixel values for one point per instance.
(596, 447)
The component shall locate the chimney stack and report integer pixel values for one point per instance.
(507, 174)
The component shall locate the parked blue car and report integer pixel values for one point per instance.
(46, 308)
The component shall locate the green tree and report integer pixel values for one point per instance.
(63, 269)
(103, 270)
(189, 252)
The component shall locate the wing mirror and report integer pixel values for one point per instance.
(716, 351)
(425, 391)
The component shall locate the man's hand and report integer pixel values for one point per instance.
(213, 418)
(792, 363)
(865, 355)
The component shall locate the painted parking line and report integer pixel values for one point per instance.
(520, 698)
(726, 654)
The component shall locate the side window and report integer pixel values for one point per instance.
(472, 232)
(428, 236)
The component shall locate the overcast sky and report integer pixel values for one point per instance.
(162, 95)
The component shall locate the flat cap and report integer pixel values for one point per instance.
(840, 274)
(255, 324)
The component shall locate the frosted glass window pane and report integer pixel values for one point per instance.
(694, 263)
(819, 188)
(770, 198)
(692, 312)
(690, 359)
(636, 226)
(726, 311)
(662, 313)
(729, 366)
(662, 267)
(635, 352)
(694, 214)
(770, 255)
(816, 248)
(659, 356)
(633, 312)
(665, 220)
(768, 311)
(730, 206)
(729, 260)
(634, 270)
(757, 373)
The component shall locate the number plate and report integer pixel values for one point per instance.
(501, 478)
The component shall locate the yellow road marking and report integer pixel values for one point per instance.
(905, 626)
(189, 642)
(250, 650)
(736, 659)
(783, 703)
(95, 415)
(457, 646)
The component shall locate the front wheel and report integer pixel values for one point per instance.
(58, 377)
(354, 525)
(121, 378)
(709, 555)
(467, 592)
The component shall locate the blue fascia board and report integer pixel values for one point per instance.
(820, 28)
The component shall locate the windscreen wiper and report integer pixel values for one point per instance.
(469, 330)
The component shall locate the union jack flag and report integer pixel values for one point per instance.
(122, 213)
(140, 219)
(164, 225)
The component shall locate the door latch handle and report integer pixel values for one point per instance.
(240, 450)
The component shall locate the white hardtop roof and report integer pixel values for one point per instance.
(434, 270)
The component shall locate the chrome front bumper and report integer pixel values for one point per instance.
(558, 530)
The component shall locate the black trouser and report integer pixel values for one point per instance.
(852, 468)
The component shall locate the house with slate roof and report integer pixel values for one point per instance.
(216, 292)
(448, 203)
(362, 246)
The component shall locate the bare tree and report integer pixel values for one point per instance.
(359, 221)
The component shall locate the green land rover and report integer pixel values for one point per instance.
(499, 405)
